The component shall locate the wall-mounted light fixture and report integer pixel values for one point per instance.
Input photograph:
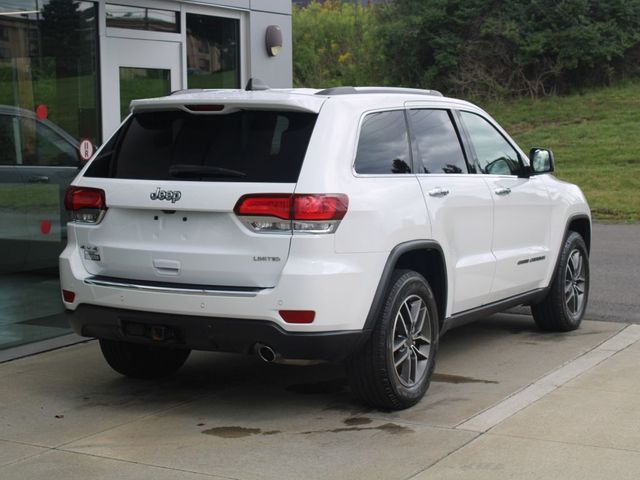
(273, 40)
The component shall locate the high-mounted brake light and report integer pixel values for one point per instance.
(87, 205)
(205, 108)
(284, 213)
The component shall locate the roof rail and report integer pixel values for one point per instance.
(389, 90)
(337, 91)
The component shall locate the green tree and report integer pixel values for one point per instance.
(478, 48)
(334, 44)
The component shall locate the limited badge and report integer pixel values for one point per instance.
(91, 253)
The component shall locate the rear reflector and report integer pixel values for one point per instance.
(298, 316)
(68, 296)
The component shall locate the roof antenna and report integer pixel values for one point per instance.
(255, 84)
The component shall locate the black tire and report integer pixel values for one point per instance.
(372, 370)
(565, 304)
(142, 361)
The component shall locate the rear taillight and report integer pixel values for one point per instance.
(87, 205)
(286, 213)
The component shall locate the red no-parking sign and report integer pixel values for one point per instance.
(86, 149)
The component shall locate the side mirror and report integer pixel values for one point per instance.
(542, 161)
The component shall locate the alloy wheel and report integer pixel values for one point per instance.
(411, 341)
(575, 283)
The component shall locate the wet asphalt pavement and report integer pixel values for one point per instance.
(615, 273)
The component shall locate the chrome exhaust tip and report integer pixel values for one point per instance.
(266, 353)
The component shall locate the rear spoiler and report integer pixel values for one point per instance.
(231, 101)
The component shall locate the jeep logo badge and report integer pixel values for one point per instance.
(172, 195)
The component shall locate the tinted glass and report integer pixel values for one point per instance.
(495, 155)
(245, 146)
(383, 146)
(140, 18)
(437, 144)
(213, 55)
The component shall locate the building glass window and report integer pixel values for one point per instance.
(140, 18)
(142, 83)
(213, 54)
(48, 101)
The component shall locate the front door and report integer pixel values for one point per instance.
(522, 211)
(133, 69)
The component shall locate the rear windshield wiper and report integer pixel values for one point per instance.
(194, 171)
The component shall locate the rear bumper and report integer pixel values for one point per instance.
(339, 288)
(210, 333)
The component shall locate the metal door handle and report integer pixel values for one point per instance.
(38, 179)
(503, 191)
(439, 192)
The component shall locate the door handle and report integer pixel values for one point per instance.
(439, 192)
(38, 179)
(502, 191)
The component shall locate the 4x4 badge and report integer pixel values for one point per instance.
(172, 195)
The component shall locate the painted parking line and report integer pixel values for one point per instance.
(489, 418)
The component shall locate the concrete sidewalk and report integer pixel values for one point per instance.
(507, 401)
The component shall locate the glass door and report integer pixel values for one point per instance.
(133, 69)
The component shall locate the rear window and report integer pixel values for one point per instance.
(244, 146)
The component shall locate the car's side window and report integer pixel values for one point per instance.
(437, 144)
(383, 146)
(44, 147)
(495, 155)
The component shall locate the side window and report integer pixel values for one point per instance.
(384, 144)
(44, 147)
(495, 155)
(438, 145)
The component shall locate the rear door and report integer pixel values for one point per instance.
(459, 204)
(171, 180)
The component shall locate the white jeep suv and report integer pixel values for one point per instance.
(353, 224)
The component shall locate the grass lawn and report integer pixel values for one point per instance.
(595, 137)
